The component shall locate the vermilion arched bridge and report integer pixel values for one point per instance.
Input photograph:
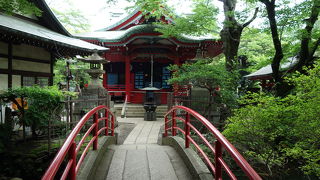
(141, 156)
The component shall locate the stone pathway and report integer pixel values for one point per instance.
(141, 158)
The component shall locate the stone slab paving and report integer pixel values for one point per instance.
(140, 157)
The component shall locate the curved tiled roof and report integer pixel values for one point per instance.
(131, 18)
(122, 20)
(267, 70)
(33, 30)
(123, 35)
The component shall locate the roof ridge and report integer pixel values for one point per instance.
(121, 21)
(42, 5)
(135, 15)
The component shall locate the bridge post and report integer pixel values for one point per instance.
(174, 124)
(95, 131)
(187, 130)
(217, 156)
(112, 126)
(165, 126)
(106, 122)
(73, 156)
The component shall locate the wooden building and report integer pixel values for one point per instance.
(139, 56)
(264, 74)
(29, 46)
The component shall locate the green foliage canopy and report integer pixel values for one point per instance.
(19, 6)
(73, 20)
(257, 46)
(202, 20)
(208, 74)
(80, 77)
(281, 135)
(42, 102)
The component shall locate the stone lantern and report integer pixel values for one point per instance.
(95, 94)
(150, 104)
(95, 70)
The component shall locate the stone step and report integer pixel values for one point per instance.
(141, 115)
(138, 111)
(142, 109)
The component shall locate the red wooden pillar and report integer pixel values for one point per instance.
(128, 86)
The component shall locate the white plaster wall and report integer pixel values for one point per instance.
(3, 63)
(3, 82)
(3, 48)
(16, 81)
(24, 50)
(30, 66)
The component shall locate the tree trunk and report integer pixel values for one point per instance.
(231, 33)
(306, 52)
(270, 6)
(230, 37)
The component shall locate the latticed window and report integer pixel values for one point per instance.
(29, 81)
(42, 81)
(165, 76)
(139, 80)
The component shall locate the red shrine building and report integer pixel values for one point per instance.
(139, 56)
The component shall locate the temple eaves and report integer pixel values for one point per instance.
(138, 31)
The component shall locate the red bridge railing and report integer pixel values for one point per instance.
(71, 148)
(221, 143)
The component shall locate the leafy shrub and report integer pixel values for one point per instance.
(281, 135)
(78, 72)
(42, 102)
(209, 74)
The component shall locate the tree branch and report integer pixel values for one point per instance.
(305, 55)
(315, 47)
(253, 18)
(264, 1)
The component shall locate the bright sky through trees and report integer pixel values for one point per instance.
(98, 12)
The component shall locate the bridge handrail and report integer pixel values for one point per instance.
(124, 107)
(220, 142)
(69, 146)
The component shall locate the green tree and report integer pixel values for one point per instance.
(232, 31)
(256, 45)
(211, 75)
(19, 6)
(80, 77)
(288, 19)
(42, 101)
(71, 18)
(201, 21)
(281, 135)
